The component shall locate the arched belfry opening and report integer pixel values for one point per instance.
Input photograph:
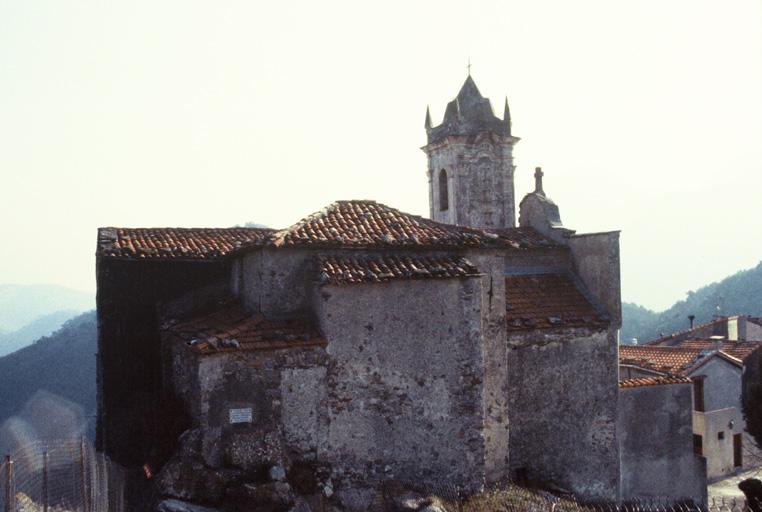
(444, 202)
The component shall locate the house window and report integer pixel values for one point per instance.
(698, 394)
(444, 200)
(721, 435)
(698, 444)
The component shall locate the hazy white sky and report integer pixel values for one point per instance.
(645, 116)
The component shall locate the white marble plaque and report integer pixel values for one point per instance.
(240, 415)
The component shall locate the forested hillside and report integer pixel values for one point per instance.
(62, 364)
(738, 294)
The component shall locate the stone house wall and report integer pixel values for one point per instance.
(563, 390)
(404, 381)
(656, 446)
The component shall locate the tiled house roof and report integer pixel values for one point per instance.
(343, 224)
(382, 268)
(669, 360)
(547, 301)
(665, 340)
(653, 381)
(232, 328)
(177, 243)
(740, 350)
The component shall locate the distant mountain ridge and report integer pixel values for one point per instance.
(739, 294)
(22, 304)
(34, 330)
(60, 365)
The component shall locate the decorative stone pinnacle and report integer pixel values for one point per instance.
(538, 174)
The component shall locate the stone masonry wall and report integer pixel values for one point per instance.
(563, 407)
(404, 382)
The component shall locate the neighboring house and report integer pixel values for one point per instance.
(716, 370)
(656, 440)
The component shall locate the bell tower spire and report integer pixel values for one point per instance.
(470, 157)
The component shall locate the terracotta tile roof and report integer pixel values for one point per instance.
(382, 268)
(341, 224)
(670, 360)
(371, 224)
(232, 328)
(664, 340)
(177, 243)
(653, 381)
(545, 301)
(740, 350)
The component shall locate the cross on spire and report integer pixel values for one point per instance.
(469, 66)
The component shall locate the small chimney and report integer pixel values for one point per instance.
(538, 174)
(691, 318)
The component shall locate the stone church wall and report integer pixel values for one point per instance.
(404, 382)
(563, 390)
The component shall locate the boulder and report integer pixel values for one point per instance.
(277, 473)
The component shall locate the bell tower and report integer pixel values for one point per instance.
(470, 158)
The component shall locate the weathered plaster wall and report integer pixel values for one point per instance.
(596, 262)
(480, 180)
(404, 381)
(656, 444)
(562, 396)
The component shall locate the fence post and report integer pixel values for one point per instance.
(45, 481)
(9, 498)
(83, 473)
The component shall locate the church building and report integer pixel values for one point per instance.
(369, 344)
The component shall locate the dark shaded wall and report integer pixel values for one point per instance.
(136, 424)
(656, 442)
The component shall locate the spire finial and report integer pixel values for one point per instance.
(469, 66)
(428, 118)
(538, 174)
(507, 116)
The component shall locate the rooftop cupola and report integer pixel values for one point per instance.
(540, 212)
(471, 162)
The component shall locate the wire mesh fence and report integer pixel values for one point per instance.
(61, 476)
